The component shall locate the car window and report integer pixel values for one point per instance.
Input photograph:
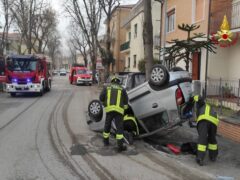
(139, 79)
(129, 83)
(123, 80)
(82, 71)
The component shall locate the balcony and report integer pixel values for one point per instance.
(125, 46)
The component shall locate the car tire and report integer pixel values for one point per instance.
(48, 88)
(159, 75)
(95, 110)
(175, 69)
(13, 94)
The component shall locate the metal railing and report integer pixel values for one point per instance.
(236, 15)
(224, 95)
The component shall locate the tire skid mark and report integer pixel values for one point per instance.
(38, 150)
(62, 156)
(19, 114)
(64, 148)
(100, 171)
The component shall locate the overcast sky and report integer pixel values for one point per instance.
(58, 5)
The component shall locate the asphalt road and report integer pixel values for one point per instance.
(48, 138)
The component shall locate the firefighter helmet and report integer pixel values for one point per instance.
(115, 80)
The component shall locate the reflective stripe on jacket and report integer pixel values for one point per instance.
(114, 100)
(207, 113)
(132, 118)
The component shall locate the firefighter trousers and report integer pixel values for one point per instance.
(118, 118)
(207, 140)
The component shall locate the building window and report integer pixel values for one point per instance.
(129, 36)
(135, 30)
(171, 20)
(198, 10)
(135, 61)
(128, 62)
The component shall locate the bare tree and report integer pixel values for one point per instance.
(35, 21)
(53, 47)
(108, 6)
(73, 52)
(5, 5)
(79, 41)
(148, 37)
(23, 12)
(44, 25)
(87, 15)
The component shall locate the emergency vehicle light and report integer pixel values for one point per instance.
(28, 80)
(14, 80)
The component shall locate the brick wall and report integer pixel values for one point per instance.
(229, 130)
(219, 8)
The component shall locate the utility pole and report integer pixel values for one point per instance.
(161, 58)
(207, 53)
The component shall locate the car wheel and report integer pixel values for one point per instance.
(159, 75)
(13, 94)
(95, 110)
(48, 88)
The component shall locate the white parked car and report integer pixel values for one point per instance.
(63, 72)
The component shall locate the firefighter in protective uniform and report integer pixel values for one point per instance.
(207, 122)
(130, 122)
(115, 101)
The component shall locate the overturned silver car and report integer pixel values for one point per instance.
(158, 104)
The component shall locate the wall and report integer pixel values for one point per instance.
(219, 8)
(233, 62)
(229, 130)
(118, 36)
(218, 64)
(184, 14)
(122, 38)
(136, 43)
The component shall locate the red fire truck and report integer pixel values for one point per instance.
(28, 74)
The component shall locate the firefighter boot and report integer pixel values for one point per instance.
(199, 161)
(106, 141)
(121, 147)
